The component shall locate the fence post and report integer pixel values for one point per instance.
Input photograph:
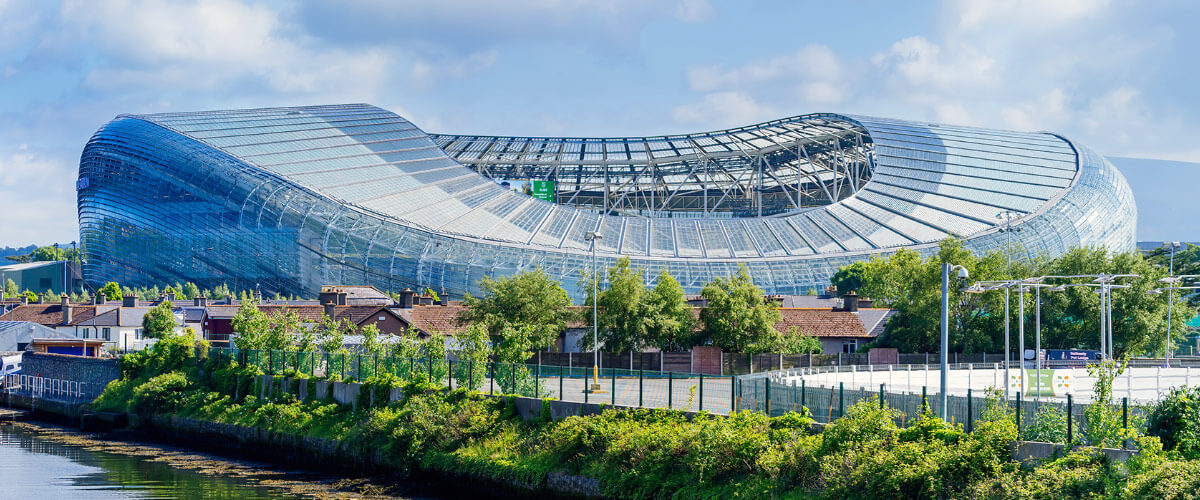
(841, 399)
(750, 357)
(880, 396)
(614, 386)
(640, 387)
(970, 415)
(1019, 396)
(491, 377)
(767, 395)
(1125, 413)
(670, 388)
(471, 374)
(732, 394)
(701, 405)
(537, 377)
(429, 363)
(1070, 421)
(803, 393)
(924, 398)
(513, 378)
(561, 395)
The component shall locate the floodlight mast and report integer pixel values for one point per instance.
(947, 268)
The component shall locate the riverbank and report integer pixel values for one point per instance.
(287, 481)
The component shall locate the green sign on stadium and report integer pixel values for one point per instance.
(542, 190)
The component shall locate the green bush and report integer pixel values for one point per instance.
(161, 394)
(1176, 421)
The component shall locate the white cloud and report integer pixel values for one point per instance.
(723, 109)
(41, 203)
(213, 45)
(693, 10)
(924, 65)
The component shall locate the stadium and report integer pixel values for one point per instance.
(287, 199)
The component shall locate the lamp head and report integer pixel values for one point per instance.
(962, 273)
(1058, 288)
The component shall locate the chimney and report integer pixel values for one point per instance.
(41, 299)
(65, 303)
(850, 302)
(24, 299)
(865, 303)
(129, 301)
(171, 296)
(406, 298)
(329, 309)
(98, 298)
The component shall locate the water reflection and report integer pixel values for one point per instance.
(34, 467)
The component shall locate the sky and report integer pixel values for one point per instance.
(1117, 76)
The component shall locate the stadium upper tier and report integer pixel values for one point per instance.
(287, 199)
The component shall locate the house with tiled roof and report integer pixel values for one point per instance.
(218, 319)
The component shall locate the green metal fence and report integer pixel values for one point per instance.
(615, 386)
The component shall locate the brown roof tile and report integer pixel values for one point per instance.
(49, 314)
(428, 319)
(822, 323)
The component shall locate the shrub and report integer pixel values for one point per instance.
(161, 394)
(1176, 421)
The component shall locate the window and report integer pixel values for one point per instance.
(106, 333)
(137, 334)
(381, 318)
(86, 332)
(849, 346)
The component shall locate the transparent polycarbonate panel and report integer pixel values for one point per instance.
(739, 239)
(838, 230)
(813, 234)
(764, 238)
(876, 234)
(634, 241)
(911, 230)
(576, 236)
(555, 227)
(610, 233)
(789, 236)
(713, 237)
(662, 237)
(687, 239)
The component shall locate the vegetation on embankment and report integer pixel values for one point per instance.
(649, 453)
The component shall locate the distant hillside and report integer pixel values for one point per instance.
(6, 251)
(1166, 194)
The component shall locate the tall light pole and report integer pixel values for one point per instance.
(1171, 280)
(592, 236)
(1170, 297)
(947, 268)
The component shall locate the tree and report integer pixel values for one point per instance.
(737, 316)
(47, 254)
(10, 288)
(669, 322)
(621, 310)
(250, 325)
(159, 322)
(370, 339)
(112, 291)
(190, 290)
(529, 300)
(1070, 319)
(849, 278)
(792, 342)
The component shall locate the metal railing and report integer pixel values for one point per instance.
(45, 388)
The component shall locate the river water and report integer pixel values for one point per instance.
(32, 466)
(43, 463)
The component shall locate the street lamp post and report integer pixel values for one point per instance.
(1170, 299)
(1172, 282)
(947, 268)
(592, 236)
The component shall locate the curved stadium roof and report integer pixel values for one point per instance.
(292, 198)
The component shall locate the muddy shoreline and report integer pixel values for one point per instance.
(302, 482)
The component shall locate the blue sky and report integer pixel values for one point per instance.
(1118, 76)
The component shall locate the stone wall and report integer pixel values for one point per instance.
(93, 373)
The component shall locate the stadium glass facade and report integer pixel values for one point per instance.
(288, 199)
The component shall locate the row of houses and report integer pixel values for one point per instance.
(842, 325)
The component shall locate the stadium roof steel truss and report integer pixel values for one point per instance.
(765, 169)
(293, 198)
